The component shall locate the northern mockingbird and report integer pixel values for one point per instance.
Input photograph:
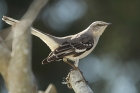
(73, 47)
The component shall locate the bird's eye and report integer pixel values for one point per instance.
(100, 24)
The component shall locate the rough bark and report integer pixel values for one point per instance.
(76, 80)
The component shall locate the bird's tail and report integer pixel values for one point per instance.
(51, 58)
(50, 40)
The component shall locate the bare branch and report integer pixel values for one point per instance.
(51, 89)
(17, 73)
(76, 81)
(4, 57)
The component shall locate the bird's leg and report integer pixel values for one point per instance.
(76, 65)
(66, 61)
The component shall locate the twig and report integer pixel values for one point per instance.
(51, 89)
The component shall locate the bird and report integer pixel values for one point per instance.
(72, 47)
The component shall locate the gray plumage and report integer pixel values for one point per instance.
(73, 47)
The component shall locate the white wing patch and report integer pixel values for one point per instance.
(80, 50)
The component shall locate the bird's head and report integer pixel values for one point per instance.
(98, 27)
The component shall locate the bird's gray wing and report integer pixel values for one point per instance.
(74, 47)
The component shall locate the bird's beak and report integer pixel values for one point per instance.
(109, 23)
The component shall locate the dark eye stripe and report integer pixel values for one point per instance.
(100, 24)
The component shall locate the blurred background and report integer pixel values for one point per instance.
(113, 66)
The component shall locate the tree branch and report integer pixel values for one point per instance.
(51, 89)
(15, 65)
(4, 57)
(76, 81)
